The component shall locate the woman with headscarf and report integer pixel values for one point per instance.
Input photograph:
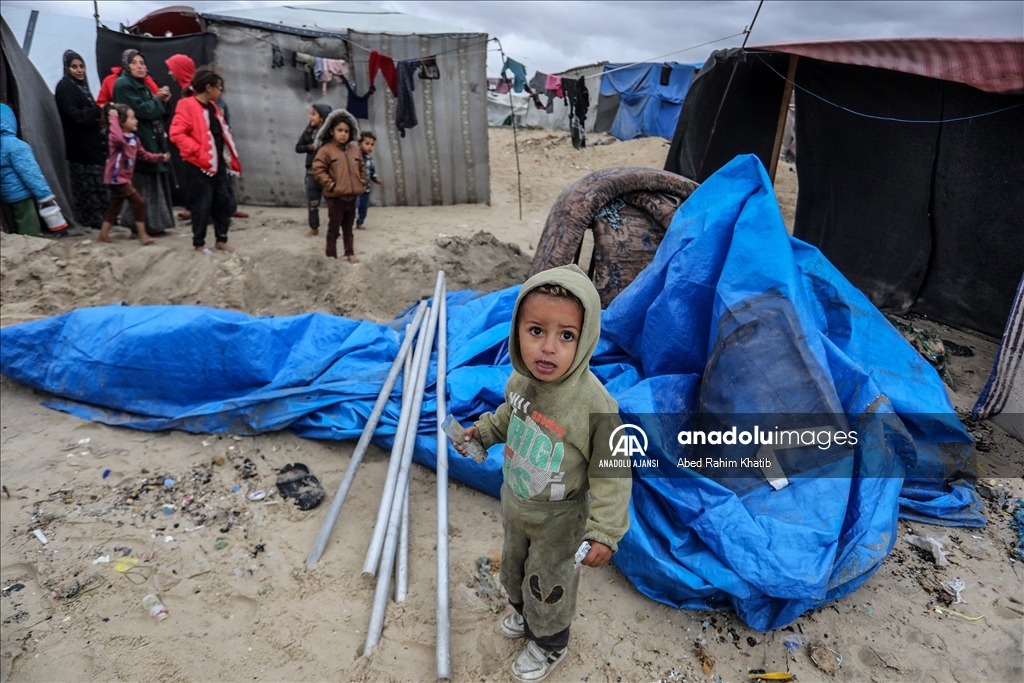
(150, 179)
(85, 146)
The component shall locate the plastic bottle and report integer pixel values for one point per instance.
(155, 607)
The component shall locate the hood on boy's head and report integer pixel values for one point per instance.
(184, 69)
(323, 109)
(325, 133)
(8, 121)
(575, 281)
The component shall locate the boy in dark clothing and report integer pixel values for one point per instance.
(339, 169)
(367, 140)
(556, 490)
(307, 145)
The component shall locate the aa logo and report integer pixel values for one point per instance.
(625, 441)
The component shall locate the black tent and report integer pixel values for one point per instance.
(25, 92)
(909, 178)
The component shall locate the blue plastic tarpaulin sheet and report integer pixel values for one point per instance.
(646, 107)
(733, 315)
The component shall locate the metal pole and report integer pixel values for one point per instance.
(30, 31)
(380, 595)
(444, 670)
(364, 440)
(372, 559)
(402, 565)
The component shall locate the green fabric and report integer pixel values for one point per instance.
(134, 93)
(22, 218)
(547, 428)
(541, 539)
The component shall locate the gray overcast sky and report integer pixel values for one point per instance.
(552, 36)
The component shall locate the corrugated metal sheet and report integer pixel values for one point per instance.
(989, 64)
(443, 160)
(338, 18)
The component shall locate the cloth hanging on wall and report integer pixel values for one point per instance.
(428, 68)
(405, 116)
(358, 105)
(518, 74)
(333, 69)
(386, 65)
(276, 57)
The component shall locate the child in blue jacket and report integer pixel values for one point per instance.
(20, 179)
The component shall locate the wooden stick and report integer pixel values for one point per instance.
(780, 127)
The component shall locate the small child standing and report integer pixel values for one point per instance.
(124, 148)
(339, 169)
(556, 493)
(307, 145)
(203, 137)
(367, 140)
(21, 180)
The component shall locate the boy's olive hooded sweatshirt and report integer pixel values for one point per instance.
(546, 426)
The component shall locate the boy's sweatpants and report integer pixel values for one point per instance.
(313, 195)
(541, 539)
(362, 206)
(340, 215)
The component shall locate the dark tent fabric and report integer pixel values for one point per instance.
(924, 218)
(198, 46)
(648, 106)
(731, 309)
(722, 114)
(38, 119)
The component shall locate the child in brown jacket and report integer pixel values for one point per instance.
(341, 172)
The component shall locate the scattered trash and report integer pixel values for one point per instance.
(957, 585)
(751, 641)
(106, 473)
(13, 588)
(707, 661)
(168, 509)
(217, 460)
(236, 437)
(164, 581)
(168, 482)
(932, 545)
(943, 610)
(489, 589)
(206, 443)
(155, 607)
(762, 675)
(793, 641)
(264, 590)
(258, 495)
(123, 564)
(824, 657)
(297, 482)
(168, 539)
(101, 558)
(220, 544)
(1017, 522)
(42, 537)
(236, 489)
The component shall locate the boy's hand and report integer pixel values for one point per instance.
(471, 433)
(599, 553)
(166, 156)
(377, 180)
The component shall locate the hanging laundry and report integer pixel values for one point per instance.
(318, 69)
(358, 105)
(428, 69)
(498, 86)
(576, 92)
(333, 69)
(276, 57)
(538, 81)
(304, 63)
(406, 114)
(554, 83)
(518, 74)
(385, 64)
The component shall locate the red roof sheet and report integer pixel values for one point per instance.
(989, 64)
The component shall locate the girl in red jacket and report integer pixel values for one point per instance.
(204, 140)
(120, 123)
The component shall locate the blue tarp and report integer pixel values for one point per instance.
(646, 107)
(732, 315)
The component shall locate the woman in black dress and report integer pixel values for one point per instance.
(85, 145)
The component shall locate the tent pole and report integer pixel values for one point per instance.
(443, 615)
(515, 139)
(780, 127)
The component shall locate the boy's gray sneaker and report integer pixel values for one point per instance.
(534, 663)
(513, 626)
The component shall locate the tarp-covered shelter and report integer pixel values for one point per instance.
(443, 160)
(25, 91)
(909, 164)
(641, 100)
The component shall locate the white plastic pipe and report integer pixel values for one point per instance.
(364, 439)
(402, 565)
(444, 666)
(380, 595)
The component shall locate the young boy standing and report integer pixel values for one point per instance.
(307, 145)
(367, 140)
(550, 467)
(339, 169)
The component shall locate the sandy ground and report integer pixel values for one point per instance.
(230, 570)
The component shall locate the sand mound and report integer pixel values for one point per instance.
(47, 277)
